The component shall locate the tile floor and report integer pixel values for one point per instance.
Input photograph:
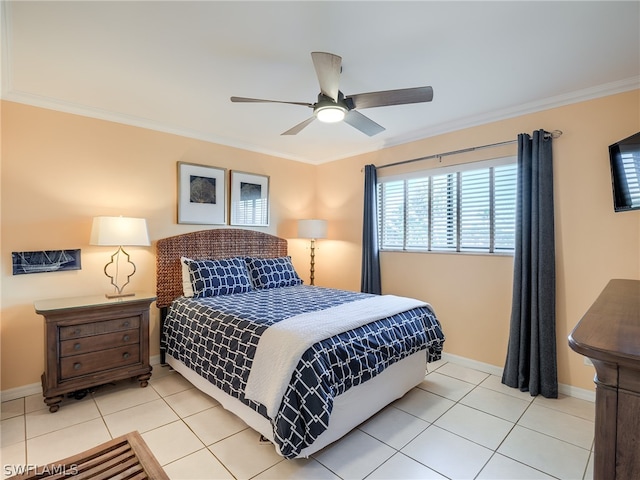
(458, 423)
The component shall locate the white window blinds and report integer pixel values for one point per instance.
(470, 208)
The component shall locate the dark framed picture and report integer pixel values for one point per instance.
(45, 261)
(202, 194)
(249, 199)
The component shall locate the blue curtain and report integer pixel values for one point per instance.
(370, 282)
(531, 363)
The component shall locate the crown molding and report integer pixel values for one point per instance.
(612, 88)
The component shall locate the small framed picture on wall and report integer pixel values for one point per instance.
(202, 194)
(249, 199)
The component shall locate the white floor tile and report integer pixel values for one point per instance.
(422, 404)
(474, 425)
(494, 382)
(571, 405)
(12, 430)
(123, 395)
(34, 402)
(243, 454)
(171, 442)
(448, 454)
(560, 425)
(401, 467)
(394, 427)
(189, 402)
(214, 424)
(12, 408)
(169, 384)
(589, 473)
(142, 418)
(435, 431)
(355, 455)
(13, 457)
(550, 455)
(496, 403)
(66, 442)
(297, 469)
(433, 366)
(463, 373)
(43, 421)
(445, 386)
(504, 468)
(200, 465)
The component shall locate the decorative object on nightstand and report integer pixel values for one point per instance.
(119, 232)
(90, 341)
(312, 229)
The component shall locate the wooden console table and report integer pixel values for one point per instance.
(609, 334)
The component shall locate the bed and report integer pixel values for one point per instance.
(301, 365)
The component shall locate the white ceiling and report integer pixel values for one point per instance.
(172, 66)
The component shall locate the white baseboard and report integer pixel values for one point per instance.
(19, 392)
(581, 393)
(467, 362)
(36, 388)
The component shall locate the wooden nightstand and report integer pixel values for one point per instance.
(93, 340)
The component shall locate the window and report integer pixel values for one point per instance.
(466, 208)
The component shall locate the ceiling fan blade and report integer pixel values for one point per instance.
(391, 97)
(299, 127)
(258, 100)
(363, 123)
(328, 67)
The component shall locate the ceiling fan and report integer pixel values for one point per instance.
(333, 106)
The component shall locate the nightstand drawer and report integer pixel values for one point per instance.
(98, 361)
(98, 342)
(96, 328)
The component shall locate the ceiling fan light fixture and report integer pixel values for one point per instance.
(332, 106)
(330, 113)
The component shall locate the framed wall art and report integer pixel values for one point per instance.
(45, 261)
(249, 199)
(202, 194)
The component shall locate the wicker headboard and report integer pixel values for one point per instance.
(214, 243)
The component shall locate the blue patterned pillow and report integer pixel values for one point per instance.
(218, 277)
(272, 272)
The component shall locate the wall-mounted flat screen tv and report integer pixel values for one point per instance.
(624, 157)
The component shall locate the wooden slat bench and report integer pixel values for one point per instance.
(126, 458)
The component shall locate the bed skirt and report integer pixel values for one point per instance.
(350, 409)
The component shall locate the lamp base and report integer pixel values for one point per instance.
(115, 260)
(119, 295)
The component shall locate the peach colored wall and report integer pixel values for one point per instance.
(60, 170)
(472, 293)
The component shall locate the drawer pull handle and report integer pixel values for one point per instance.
(126, 324)
(125, 338)
(77, 346)
(77, 366)
(125, 355)
(77, 331)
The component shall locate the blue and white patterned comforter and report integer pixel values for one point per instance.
(217, 337)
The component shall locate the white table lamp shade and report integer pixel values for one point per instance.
(119, 231)
(312, 229)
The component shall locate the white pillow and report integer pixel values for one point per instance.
(187, 288)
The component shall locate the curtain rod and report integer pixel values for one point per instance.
(553, 134)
